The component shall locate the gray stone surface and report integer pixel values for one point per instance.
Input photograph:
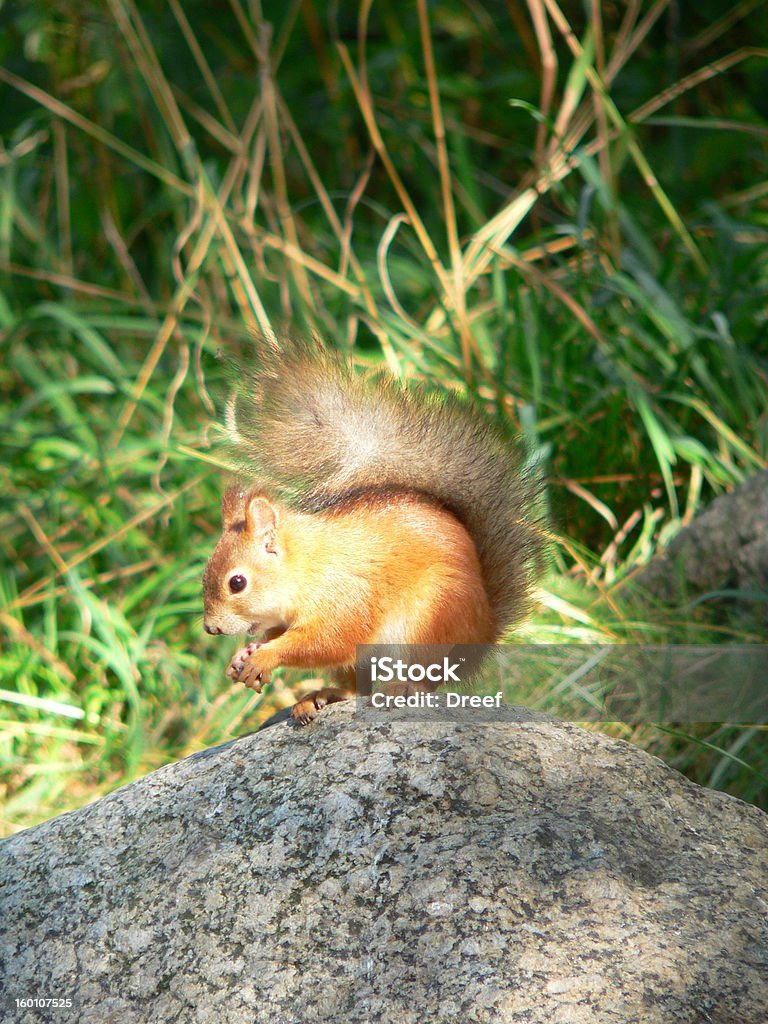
(519, 871)
(724, 548)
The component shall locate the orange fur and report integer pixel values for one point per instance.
(400, 571)
(387, 514)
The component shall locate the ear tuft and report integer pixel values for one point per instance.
(233, 505)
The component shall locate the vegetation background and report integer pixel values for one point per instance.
(561, 207)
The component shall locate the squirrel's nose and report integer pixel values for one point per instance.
(213, 630)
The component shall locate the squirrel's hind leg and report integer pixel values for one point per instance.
(451, 607)
(305, 710)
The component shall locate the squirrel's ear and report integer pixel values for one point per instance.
(261, 519)
(233, 506)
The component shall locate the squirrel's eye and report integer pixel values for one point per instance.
(237, 583)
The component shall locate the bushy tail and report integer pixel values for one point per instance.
(316, 431)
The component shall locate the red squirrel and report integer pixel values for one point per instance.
(376, 513)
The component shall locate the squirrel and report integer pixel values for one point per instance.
(376, 513)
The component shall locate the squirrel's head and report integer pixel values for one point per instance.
(242, 591)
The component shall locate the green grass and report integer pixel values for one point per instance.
(585, 247)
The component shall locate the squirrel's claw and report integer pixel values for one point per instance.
(252, 666)
(244, 669)
(253, 677)
(238, 662)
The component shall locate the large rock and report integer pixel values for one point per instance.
(724, 549)
(520, 870)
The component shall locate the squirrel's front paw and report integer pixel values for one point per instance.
(257, 669)
(237, 664)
